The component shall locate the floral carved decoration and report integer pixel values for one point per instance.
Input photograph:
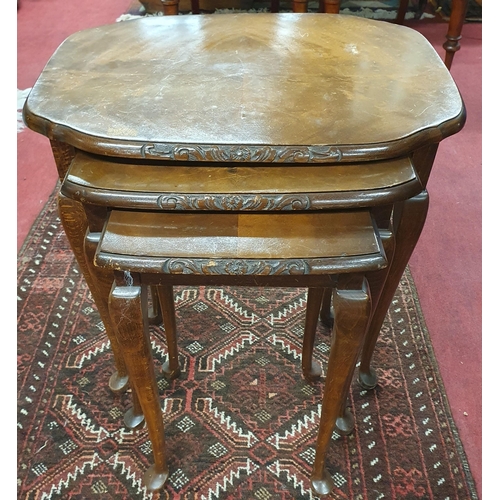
(223, 153)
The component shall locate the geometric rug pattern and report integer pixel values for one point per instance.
(240, 421)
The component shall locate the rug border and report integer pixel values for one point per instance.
(449, 415)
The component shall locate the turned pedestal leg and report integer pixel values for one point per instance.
(170, 7)
(455, 25)
(170, 368)
(75, 225)
(128, 310)
(403, 7)
(409, 218)
(299, 6)
(329, 6)
(351, 304)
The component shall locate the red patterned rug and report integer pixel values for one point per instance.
(241, 421)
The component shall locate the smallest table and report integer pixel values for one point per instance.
(311, 250)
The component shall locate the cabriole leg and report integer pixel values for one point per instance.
(325, 314)
(311, 369)
(154, 312)
(128, 309)
(409, 218)
(351, 305)
(170, 368)
(75, 225)
(134, 416)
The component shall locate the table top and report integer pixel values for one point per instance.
(247, 87)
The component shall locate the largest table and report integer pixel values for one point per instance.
(245, 112)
